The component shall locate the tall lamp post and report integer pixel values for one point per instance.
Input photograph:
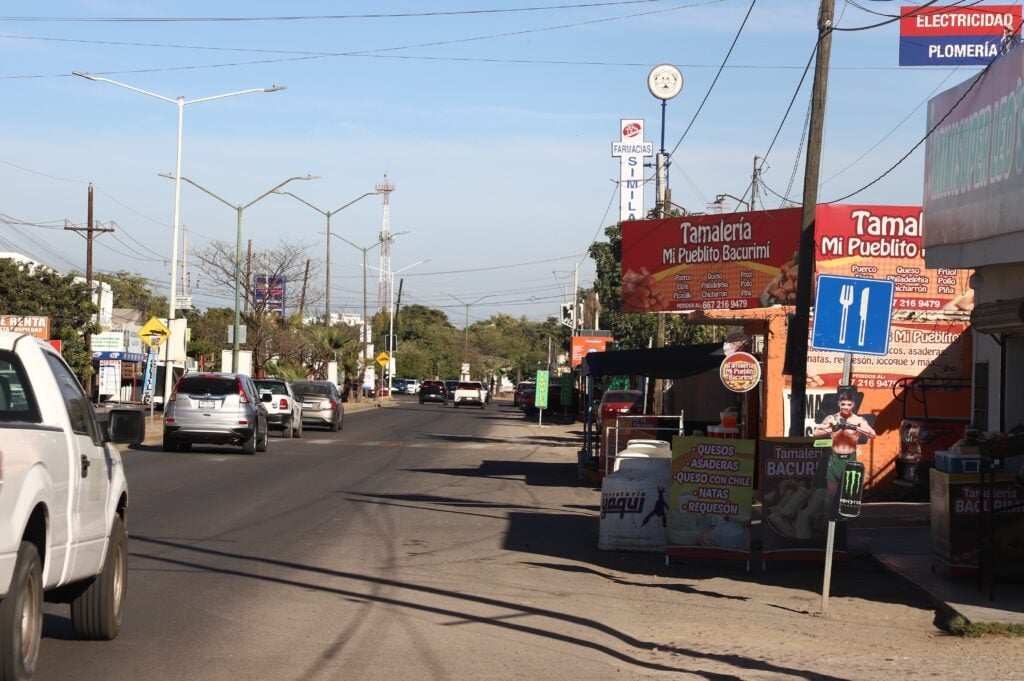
(465, 351)
(391, 311)
(328, 214)
(366, 337)
(239, 208)
(181, 102)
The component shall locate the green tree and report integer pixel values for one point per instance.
(26, 290)
(133, 291)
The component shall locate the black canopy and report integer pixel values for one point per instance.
(672, 362)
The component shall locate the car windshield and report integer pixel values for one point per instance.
(273, 387)
(621, 396)
(309, 388)
(208, 385)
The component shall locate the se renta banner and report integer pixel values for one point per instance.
(954, 36)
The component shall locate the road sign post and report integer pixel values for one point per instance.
(540, 397)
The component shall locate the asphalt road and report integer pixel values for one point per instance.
(358, 554)
(431, 543)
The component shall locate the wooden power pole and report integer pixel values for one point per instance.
(797, 334)
(90, 230)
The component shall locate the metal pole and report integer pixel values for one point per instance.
(465, 350)
(168, 383)
(796, 338)
(238, 281)
(327, 280)
(366, 337)
(391, 328)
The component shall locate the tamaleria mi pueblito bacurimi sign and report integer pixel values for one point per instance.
(740, 372)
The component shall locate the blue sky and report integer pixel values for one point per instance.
(495, 127)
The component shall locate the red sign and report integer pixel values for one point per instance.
(885, 242)
(710, 262)
(632, 130)
(581, 345)
(947, 20)
(57, 344)
(740, 372)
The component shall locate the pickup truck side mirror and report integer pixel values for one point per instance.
(126, 426)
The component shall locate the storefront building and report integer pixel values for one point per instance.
(974, 219)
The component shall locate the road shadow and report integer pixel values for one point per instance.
(538, 474)
(584, 633)
(526, 440)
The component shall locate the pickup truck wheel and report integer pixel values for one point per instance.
(249, 446)
(98, 613)
(21, 617)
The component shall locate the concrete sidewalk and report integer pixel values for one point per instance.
(898, 535)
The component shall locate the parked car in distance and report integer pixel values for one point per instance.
(433, 391)
(398, 385)
(284, 412)
(412, 386)
(215, 408)
(487, 391)
(470, 392)
(321, 404)
(517, 394)
(528, 404)
(615, 402)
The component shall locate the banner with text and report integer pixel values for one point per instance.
(711, 498)
(885, 242)
(710, 262)
(954, 36)
(793, 495)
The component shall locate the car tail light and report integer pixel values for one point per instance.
(174, 392)
(168, 420)
(333, 404)
(243, 423)
(284, 403)
(242, 397)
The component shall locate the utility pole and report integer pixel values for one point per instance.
(796, 337)
(248, 275)
(302, 298)
(90, 230)
(753, 187)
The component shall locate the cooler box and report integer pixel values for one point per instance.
(951, 462)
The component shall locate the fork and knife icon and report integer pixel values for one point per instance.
(846, 299)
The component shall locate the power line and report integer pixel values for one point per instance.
(321, 17)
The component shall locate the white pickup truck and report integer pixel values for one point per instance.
(470, 392)
(63, 503)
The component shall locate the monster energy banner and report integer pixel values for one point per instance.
(851, 489)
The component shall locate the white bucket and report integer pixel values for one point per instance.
(627, 457)
(657, 444)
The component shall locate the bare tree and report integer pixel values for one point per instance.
(276, 283)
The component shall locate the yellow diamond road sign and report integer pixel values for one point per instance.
(154, 332)
(383, 359)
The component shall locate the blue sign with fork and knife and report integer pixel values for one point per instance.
(852, 314)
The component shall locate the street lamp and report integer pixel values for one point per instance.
(465, 352)
(238, 246)
(720, 199)
(180, 102)
(366, 337)
(328, 214)
(391, 310)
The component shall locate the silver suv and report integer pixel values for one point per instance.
(215, 408)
